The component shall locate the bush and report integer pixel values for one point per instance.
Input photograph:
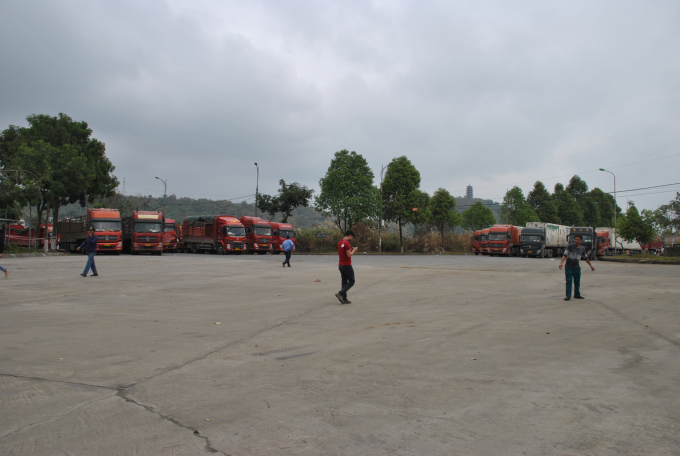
(13, 248)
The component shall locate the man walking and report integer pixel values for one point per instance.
(6, 271)
(573, 253)
(345, 252)
(90, 244)
(288, 247)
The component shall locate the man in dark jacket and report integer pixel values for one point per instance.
(90, 245)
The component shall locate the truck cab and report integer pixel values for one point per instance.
(213, 233)
(107, 228)
(587, 233)
(484, 242)
(169, 235)
(143, 233)
(258, 235)
(504, 240)
(533, 242)
(476, 242)
(279, 233)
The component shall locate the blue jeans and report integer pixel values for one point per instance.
(288, 253)
(3, 269)
(573, 273)
(90, 263)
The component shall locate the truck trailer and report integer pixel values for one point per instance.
(143, 233)
(279, 233)
(504, 240)
(605, 243)
(213, 233)
(258, 235)
(107, 228)
(544, 239)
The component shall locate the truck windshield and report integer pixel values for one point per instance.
(587, 239)
(106, 226)
(284, 233)
(235, 230)
(263, 230)
(147, 227)
(532, 238)
(170, 227)
(497, 236)
(484, 237)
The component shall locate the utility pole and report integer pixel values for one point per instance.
(257, 187)
(602, 169)
(165, 193)
(380, 220)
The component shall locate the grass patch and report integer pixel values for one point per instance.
(13, 248)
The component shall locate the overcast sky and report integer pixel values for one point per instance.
(491, 93)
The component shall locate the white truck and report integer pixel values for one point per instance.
(544, 239)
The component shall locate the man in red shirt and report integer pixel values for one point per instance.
(345, 252)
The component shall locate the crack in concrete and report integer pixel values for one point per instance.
(208, 444)
(40, 379)
(53, 417)
(621, 315)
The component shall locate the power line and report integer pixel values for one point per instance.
(645, 188)
(648, 193)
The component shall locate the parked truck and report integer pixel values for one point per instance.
(544, 240)
(258, 235)
(605, 243)
(587, 233)
(484, 241)
(107, 227)
(213, 233)
(279, 233)
(143, 233)
(477, 242)
(170, 238)
(504, 240)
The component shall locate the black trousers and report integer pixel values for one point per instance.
(288, 254)
(347, 274)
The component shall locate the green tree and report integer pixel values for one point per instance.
(567, 207)
(606, 206)
(577, 187)
(667, 216)
(634, 227)
(516, 209)
(542, 203)
(590, 210)
(477, 217)
(290, 197)
(347, 191)
(442, 210)
(401, 194)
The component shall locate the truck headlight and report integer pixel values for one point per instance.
(521, 250)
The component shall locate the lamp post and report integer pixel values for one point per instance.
(602, 169)
(165, 192)
(257, 187)
(380, 220)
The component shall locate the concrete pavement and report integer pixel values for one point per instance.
(437, 355)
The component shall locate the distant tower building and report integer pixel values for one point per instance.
(468, 194)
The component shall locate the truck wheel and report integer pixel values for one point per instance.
(476, 253)
(194, 249)
(219, 249)
(262, 252)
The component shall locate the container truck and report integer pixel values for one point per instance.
(169, 235)
(504, 240)
(258, 235)
(544, 239)
(213, 233)
(605, 243)
(484, 241)
(107, 227)
(279, 233)
(143, 233)
(587, 233)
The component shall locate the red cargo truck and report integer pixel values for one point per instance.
(106, 224)
(213, 233)
(169, 235)
(20, 235)
(476, 242)
(143, 232)
(279, 233)
(258, 235)
(504, 240)
(484, 242)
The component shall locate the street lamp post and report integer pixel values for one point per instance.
(381, 211)
(602, 169)
(257, 187)
(165, 193)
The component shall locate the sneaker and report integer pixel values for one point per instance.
(288, 264)
(84, 275)
(283, 264)
(579, 297)
(340, 298)
(95, 275)
(567, 298)
(346, 301)
(6, 273)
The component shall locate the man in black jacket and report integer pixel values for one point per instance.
(90, 244)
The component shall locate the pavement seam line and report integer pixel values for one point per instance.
(54, 417)
(619, 314)
(40, 379)
(208, 444)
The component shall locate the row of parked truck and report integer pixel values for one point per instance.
(149, 232)
(550, 240)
